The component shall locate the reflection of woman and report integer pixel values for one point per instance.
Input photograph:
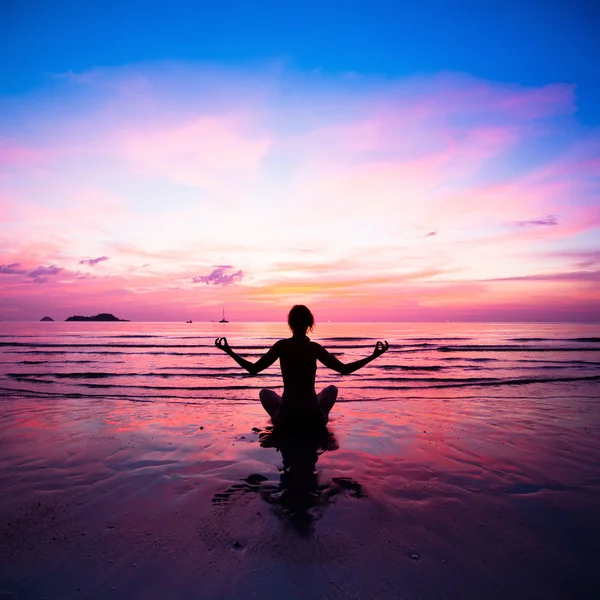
(300, 405)
(299, 492)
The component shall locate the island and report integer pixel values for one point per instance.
(46, 319)
(100, 317)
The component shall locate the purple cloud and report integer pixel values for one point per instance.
(591, 259)
(580, 259)
(93, 261)
(588, 276)
(40, 274)
(431, 234)
(12, 269)
(543, 221)
(219, 276)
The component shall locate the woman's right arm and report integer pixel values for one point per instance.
(345, 369)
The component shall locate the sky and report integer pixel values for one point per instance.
(377, 161)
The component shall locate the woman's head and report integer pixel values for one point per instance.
(300, 319)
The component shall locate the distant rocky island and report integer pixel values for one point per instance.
(46, 319)
(100, 317)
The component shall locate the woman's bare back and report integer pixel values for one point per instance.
(298, 358)
(298, 362)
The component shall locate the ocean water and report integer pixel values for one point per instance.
(178, 362)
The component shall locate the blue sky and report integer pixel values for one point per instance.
(530, 42)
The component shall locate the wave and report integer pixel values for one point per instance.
(111, 345)
(498, 382)
(431, 381)
(248, 394)
(250, 399)
(141, 335)
(101, 375)
(478, 359)
(26, 379)
(47, 394)
(407, 350)
(407, 339)
(410, 368)
(439, 339)
(559, 362)
(103, 352)
(45, 362)
(485, 380)
(504, 348)
(249, 349)
(175, 387)
(201, 368)
(578, 339)
(146, 398)
(238, 347)
(234, 371)
(346, 339)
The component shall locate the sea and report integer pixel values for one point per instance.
(179, 363)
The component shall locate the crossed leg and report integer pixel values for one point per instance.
(271, 402)
(326, 398)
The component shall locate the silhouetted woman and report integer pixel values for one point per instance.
(300, 405)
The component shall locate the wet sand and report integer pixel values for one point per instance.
(429, 497)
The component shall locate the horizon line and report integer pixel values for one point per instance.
(320, 322)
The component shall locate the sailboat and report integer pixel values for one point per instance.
(223, 320)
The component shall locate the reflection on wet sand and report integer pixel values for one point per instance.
(299, 499)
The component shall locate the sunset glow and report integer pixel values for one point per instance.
(165, 190)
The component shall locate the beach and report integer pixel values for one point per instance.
(443, 474)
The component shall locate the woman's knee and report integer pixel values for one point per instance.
(327, 399)
(331, 390)
(267, 395)
(270, 401)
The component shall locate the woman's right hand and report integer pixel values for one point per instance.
(380, 348)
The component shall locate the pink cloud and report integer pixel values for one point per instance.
(17, 155)
(197, 153)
